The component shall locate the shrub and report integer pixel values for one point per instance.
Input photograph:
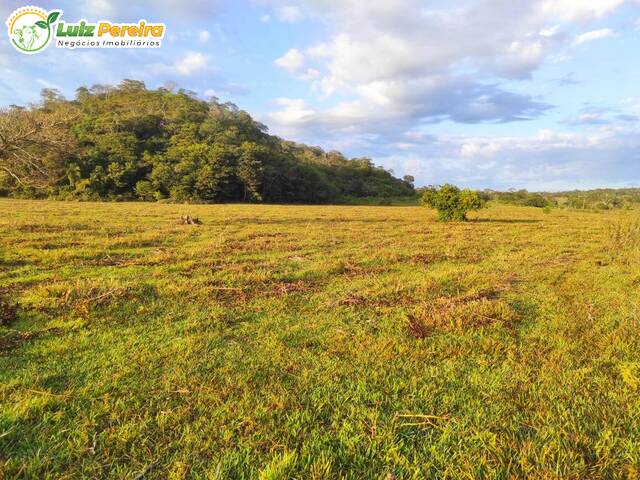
(452, 203)
(144, 190)
(537, 201)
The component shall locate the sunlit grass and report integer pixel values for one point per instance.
(321, 342)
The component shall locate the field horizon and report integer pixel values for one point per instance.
(287, 341)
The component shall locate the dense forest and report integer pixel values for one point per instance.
(132, 143)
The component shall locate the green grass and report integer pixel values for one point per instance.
(317, 342)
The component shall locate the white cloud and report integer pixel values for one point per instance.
(579, 10)
(265, 18)
(550, 31)
(394, 67)
(593, 35)
(309, 74)
(203, 36)
(191, 63)
(590, 118)
(289, 14)
(293, 110)
(291, 61)
(397, 64)
(546, 160)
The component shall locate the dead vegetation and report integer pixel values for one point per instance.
(624, 240)
(8, 312)
(81, 297)
(229, 295)
(189, 220)
(15, 338)
(459, 313)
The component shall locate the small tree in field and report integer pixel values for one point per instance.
(452, 203)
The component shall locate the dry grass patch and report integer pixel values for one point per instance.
(460, 313)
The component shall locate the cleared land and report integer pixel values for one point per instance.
(318, 342)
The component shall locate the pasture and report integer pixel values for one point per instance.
(318, 342)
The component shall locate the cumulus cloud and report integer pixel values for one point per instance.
(291, 61)
(545, 160)
(388, 109)
(388, 69)
(396, 66)
(593, 35)
(402, 61)
(550, 160)
(189, 64)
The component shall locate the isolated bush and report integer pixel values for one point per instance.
(452, 203)
(537, 201)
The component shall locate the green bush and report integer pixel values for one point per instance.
(534, 200)
(452, 203)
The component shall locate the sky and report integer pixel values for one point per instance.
(536, 94)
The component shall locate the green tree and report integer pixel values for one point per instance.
(250, 170)
(452, 203)
(130, 142)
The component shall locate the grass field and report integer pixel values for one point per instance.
(278, 342)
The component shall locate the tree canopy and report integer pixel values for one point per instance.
(128, 142)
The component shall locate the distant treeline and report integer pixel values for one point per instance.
(600, 199)
(132, 143)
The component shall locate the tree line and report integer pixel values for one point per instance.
(599, 199)
(127, 142)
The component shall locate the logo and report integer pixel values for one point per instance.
(31, 28)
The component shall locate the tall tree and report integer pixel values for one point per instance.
(34, 144)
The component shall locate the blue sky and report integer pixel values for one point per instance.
(537, 94)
